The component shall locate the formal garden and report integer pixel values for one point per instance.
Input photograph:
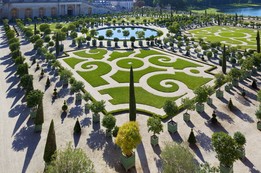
(137, 104)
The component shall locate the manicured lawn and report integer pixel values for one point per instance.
(93, 77)
(179, 64)
(154, 82)
(124, 76)
(114, 55)
(93, 53)
(127, 63)
(194, 71)
(52, 26)
(120, 95)
(144, 53)
(73, 61)
(191, 81)
(228, 35)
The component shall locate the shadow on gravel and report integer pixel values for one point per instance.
(224, 116)
(16, 94)
(20, 111)
(86, 122)
(197, 152)
(75, 112)
(176, 137)
(204, 141)
(143, 158)
(245, 117)
(26, 138)
(96, 140)
(216, 127)
(250, 165)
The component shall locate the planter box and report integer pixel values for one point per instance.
(219, 94)
(224, 169)
(109, 43)
(78, 97)
(172, 126)
(37, 128)
(248, 74)
(209, 101)
(33, 112)
(227, 88)
(154, 140)
(259, 125)
(235, 83)
(200, 107)
(186, 117)
(96, 118)
(140, 43)
(127, 162)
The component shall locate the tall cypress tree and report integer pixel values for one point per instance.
(224, 61)
(57, 47)
(132, 101)
(34, 28)
(50, 146)
(39, 119)
(258, 42)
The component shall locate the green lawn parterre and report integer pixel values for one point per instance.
(163, 81)
(242, 37)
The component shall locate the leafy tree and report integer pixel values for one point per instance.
(38, 44)
(226, 148)
(65, 75)
(77, 86)
(154, 124)
(188, 104)
(177, 158)
(109, 33)
(71, 27)
(97, 106)
(170, 108)
(70, 159)
(109, 122)
(219, 79)
(14, 46)
(234, 73)
(26, 81)
(50, 146)
(33, 98)
(22, 69)
(128, 137)
(77, 127)
(125, 33)
(202, 93)
(44, 26)
(258, 114)
(239, 138)
(93, 33)
(132, 100)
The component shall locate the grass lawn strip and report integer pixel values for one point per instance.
(154, 82)
(144, 53)
(120, 95)
(116, 55)
(194, 71)
(123, 76)
(73, 61)
(94, 53)
(94, 77)
(128, 62)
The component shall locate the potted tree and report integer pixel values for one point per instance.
(76, 87)
(241, 141)
(39, 119)
(127, 139)
(234, 73)
(108, 122)
(201, 97)
(109, 34)
(171, 109)
(226, 149)
(258, 115)
(154, 125)
(125, 33)
(188, 104)
(116, 39)
(96, 107)
(219, 81)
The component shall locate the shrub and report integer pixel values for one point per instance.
(47, 84)
(154, 124)
(64, 107)
(33, 98)
(230, 105)
(109, 122)
(50, 146)
(239, 138)
(115, 131)
(77, 127)
(170, 108)
(192, 138)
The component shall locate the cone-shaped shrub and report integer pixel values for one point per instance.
(47, 82)
(254, 85)
(64, 107)
(42, 72)
(39, 119)
(258, 42)
(77, 127)
(214, 118)
(224, 60)
(115, 131)
(132, 101)
(50, 146)
(230, 105)
(192, 138)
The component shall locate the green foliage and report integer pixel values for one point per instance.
(128, 137)
(33, 98)
(154, 124)
(258, 113)
(177, 158)
(192, 138)
(44, 26)
(77, 127)
(26, 81)
(224, 60)
(219, 79)
(115, 131)
(234, 73)
(77, 86)
(97, 106)
(47, 84)
(170, 108)
(71, 160)
(132, 100)
(50, 146)
(258, 42)
(109, 122)
(226, 148)
(207, 168)
(65, 74)
(188, 103)
(202, 93)
(64, 107)
(38, 43)
(86, 96)
(39, 119)
(239, 138)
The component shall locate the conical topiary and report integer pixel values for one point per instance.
(254, 85)
(115, 131)
(55, 92)
(42, 72)
(192, 138)
(39, 119)
(214, 119)
(77, 127)
(47, 84)
(50, 146)
(64, 107)
(224, 61)
(230, 105)
(37, 67)
(243, 93)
